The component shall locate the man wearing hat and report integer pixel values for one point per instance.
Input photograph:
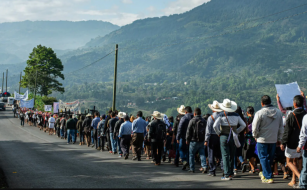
(181, 111)
(157, 134)
(121, 116)
(212, 141)
(226, 127)
(125, 136)
(87, 128)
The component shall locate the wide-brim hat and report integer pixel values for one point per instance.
(157, 115)
(121, 114)
(89, 115)
(229, 106)
(215, 106)
(181, 109)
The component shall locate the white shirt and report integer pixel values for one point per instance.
(51, 122)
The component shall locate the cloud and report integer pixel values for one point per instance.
(127, 1)
(181, 6)
(79, 10)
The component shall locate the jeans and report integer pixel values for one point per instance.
(228, 153)
(125, 144)
(22, 122)
(72, 133)
(239, 152)
(114, 143)
(184, 150)
(101, 142)
(266, 152)
(303, 176)
(81, 135)
(95, 137)
(197, 147)
(92, 136)
(214, 151)
(118, 144)
(177, 153)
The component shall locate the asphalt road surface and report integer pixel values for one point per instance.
(31, 158)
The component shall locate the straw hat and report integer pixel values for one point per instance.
(121, 114)
(157, 115)
(215, 106)
(181, 110)
(89, 115)
(229, 106)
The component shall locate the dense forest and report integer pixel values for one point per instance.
(221, 49)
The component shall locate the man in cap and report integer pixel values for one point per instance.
(157, 135)
(181, 136)
(121, 116)
(181, 111)
(125, 136)
(226, 127)
(212, 141)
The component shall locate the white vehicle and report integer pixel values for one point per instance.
(10, 101)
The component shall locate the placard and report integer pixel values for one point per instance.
(286, 93)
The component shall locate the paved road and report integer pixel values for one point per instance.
(31, 158)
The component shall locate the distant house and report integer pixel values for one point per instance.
(175, 98)
(185, 83)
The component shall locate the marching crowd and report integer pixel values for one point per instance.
(228, 138)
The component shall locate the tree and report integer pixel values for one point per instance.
(49, 69)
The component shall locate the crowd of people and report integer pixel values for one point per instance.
(229, 138)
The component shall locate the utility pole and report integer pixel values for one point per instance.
(115, 76)
(35, 88)
(2, 83)
(6, 80)
(20, 81)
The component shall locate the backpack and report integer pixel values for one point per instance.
(160, 132)
(200, 130)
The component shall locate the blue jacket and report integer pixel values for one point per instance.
(183, 126)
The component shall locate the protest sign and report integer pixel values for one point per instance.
(287, 92)
(48, 107)
(27, 104)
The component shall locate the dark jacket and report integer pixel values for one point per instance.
(190, 134)
(80, 126)
(117, 127)
(112, 123)
(183, 126)
(106, 128)
(71, 124)
(292, 131)
(153, 129)
(63, 123)
(87, 124)
(176, 124)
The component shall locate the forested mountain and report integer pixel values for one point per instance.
(242, 65)
(17, 39)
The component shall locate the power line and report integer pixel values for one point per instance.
(90, 64)
(218, 35)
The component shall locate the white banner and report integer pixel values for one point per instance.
(48, 107)
(286, 93)
(21, 97)
(27, 104)
(56, 107)
(72, 106)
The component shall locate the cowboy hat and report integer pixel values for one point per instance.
(157, 115)
(121, 114)
(89, 115)
(181, 109)
(215, 106)
(229, 106)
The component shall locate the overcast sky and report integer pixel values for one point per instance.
(120, 12)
